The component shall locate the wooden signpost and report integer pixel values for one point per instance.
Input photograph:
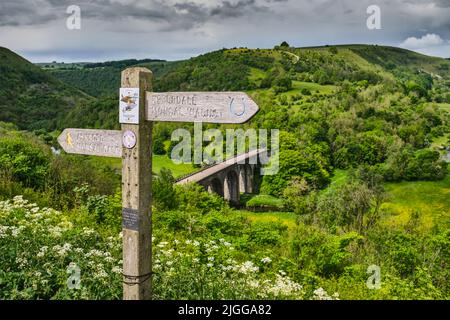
(138, 108)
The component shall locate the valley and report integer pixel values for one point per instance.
(363, 179)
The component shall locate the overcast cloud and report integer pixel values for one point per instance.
(177, 29)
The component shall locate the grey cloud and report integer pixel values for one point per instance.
(442, 3)
(188, 27)
(437, 3)
(230, 10)
(15, 13)
(181, 15)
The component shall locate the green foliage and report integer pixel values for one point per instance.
(328, 254)
(282, 84)
(28, 166)
(295, 160)
(216, 71)
(164, 194)
(406, 164)
(267, 233)
(23, 162)
(30, 97)
(158, 146)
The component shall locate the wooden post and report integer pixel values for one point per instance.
(136, 194)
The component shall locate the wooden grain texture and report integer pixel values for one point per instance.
(211, 107)
(136, 194)
(106, 143)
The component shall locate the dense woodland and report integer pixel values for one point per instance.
(362, 180)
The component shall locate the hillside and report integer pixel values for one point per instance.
(243, 68)
(103, 79)
(31, 97)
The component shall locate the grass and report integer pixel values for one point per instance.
(444, 106)
(430, 198)
(256, 75)
(262, 200)
(298, 86)
(287, 218)
(159, 161)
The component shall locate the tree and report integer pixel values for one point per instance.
(158, 146)
(354, 206)
(284, 44)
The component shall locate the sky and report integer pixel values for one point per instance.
(52, 30)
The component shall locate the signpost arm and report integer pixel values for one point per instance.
(136, 194)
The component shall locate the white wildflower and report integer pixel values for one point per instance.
(162, 244)
(247, 267)
(117, 270)
(321, 294)
(266, 260)
(42, 251)
(22, 262)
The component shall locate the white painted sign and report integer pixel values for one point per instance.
(129, 105)
(213, 107)
(106, 143)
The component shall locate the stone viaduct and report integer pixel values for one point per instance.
(231, 177)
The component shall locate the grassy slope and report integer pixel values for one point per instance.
(158, 163)
(431, 198)
(444, 106)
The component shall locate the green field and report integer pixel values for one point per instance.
(178, 170)
(159, 162)
(287, 218)
(297, 86)
(444, 106)
(430, 198)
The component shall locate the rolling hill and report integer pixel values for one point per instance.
(32, 98)
(244, 69)
(52, 98)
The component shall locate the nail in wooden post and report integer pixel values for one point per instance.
(136, 193)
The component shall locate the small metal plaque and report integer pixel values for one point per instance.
(129, 139)
(130, 219)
